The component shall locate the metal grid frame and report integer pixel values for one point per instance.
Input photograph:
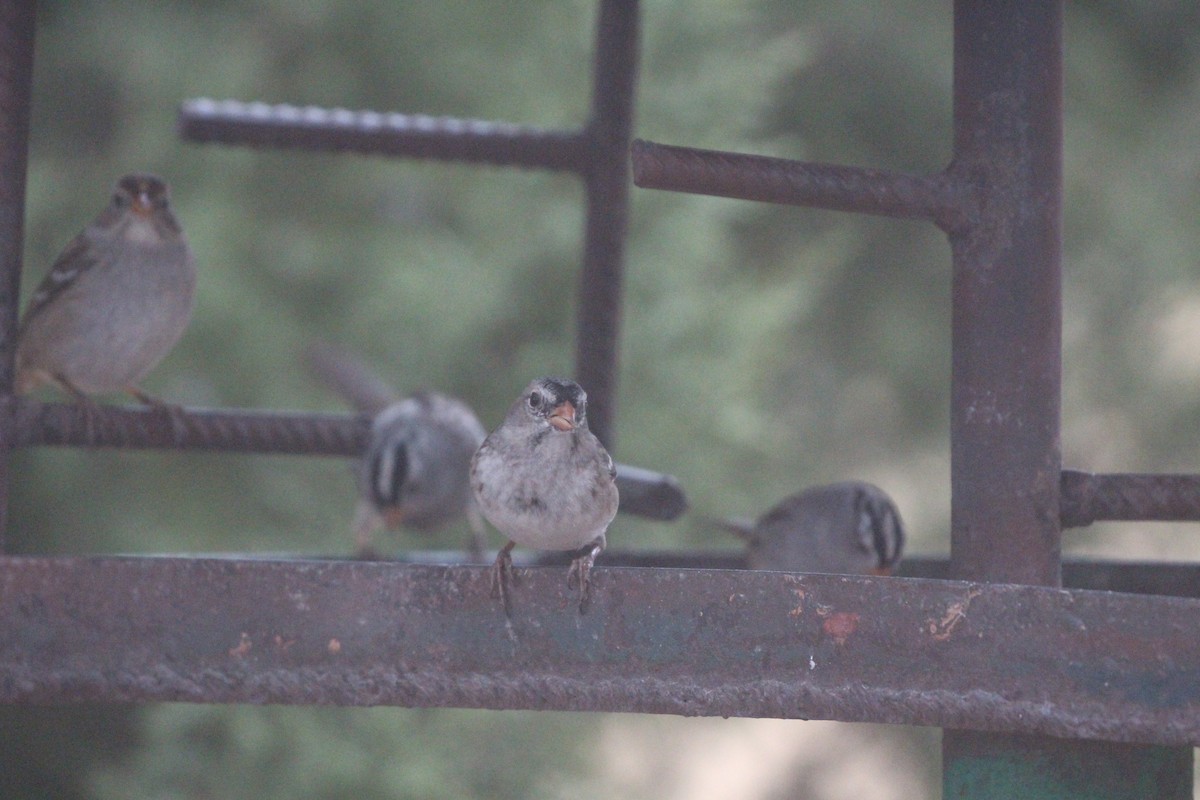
(999, 648)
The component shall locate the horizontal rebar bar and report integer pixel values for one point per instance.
(188, 429)
(694, 642)
(644, 493)
(1088, 498)
(379, 133)
(798, 183)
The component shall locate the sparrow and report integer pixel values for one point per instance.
(415, 470)
(115, 301)
(545, 481)
(850, 528)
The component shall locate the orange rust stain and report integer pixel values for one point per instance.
(941, 629)
(243, 646)
(840, 626)
(799, 609)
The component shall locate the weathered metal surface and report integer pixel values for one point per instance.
(608, 132)
(378, 133)
(988, 656)
(17, 23)
(1088, 498)
(983, 765)
(797, 183)
(1006, 361)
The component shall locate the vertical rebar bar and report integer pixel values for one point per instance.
(17, 20)
(609, 132)
(1007, 364)
(1006, 388)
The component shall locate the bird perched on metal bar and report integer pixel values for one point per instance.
(415, 470)
(545, 481)
(850, 528)
(115, 301)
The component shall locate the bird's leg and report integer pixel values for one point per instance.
(366, 522)
(581, 571)
(91, 410)
(173, 412)
(502, 575)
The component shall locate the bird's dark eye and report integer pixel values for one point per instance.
(535, 400)
(120, 200)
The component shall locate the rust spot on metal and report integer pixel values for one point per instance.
(840, 626)
(941, 629)
(242, 647)
(799, 609)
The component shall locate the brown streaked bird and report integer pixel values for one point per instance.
(850, 528)
(115, 301)
(545, 481)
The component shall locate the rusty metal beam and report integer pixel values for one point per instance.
(1006, 369)
(376, 133)
(734, 643)
(17, 23)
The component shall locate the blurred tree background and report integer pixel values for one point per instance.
(765, 348)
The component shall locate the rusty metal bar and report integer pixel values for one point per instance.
(1169, 578)
(644, 493)
(1088, 498)
(1006, 324)
(377, 133)
(608, 133)
(799, 183)
(734, 643)
(1007, 382)
(17, 23)
(188, 429)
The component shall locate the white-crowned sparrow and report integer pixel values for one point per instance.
(415, 471)
(545, 481)
(850, 528)
(114, 303)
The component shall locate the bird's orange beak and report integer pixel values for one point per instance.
(563, 417)
(142, 205)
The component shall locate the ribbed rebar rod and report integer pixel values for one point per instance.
(644, 493)
(378, 133)
(17, 21)
(1088, 498)
(597, 342)
(798, 183)
(188, 429)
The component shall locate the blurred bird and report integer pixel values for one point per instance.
(545, 481)
(415, 470)
(115, 301)
(850, 528)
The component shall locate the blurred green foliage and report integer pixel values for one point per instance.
(765, 348)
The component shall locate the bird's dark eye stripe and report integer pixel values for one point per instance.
(389, 469)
